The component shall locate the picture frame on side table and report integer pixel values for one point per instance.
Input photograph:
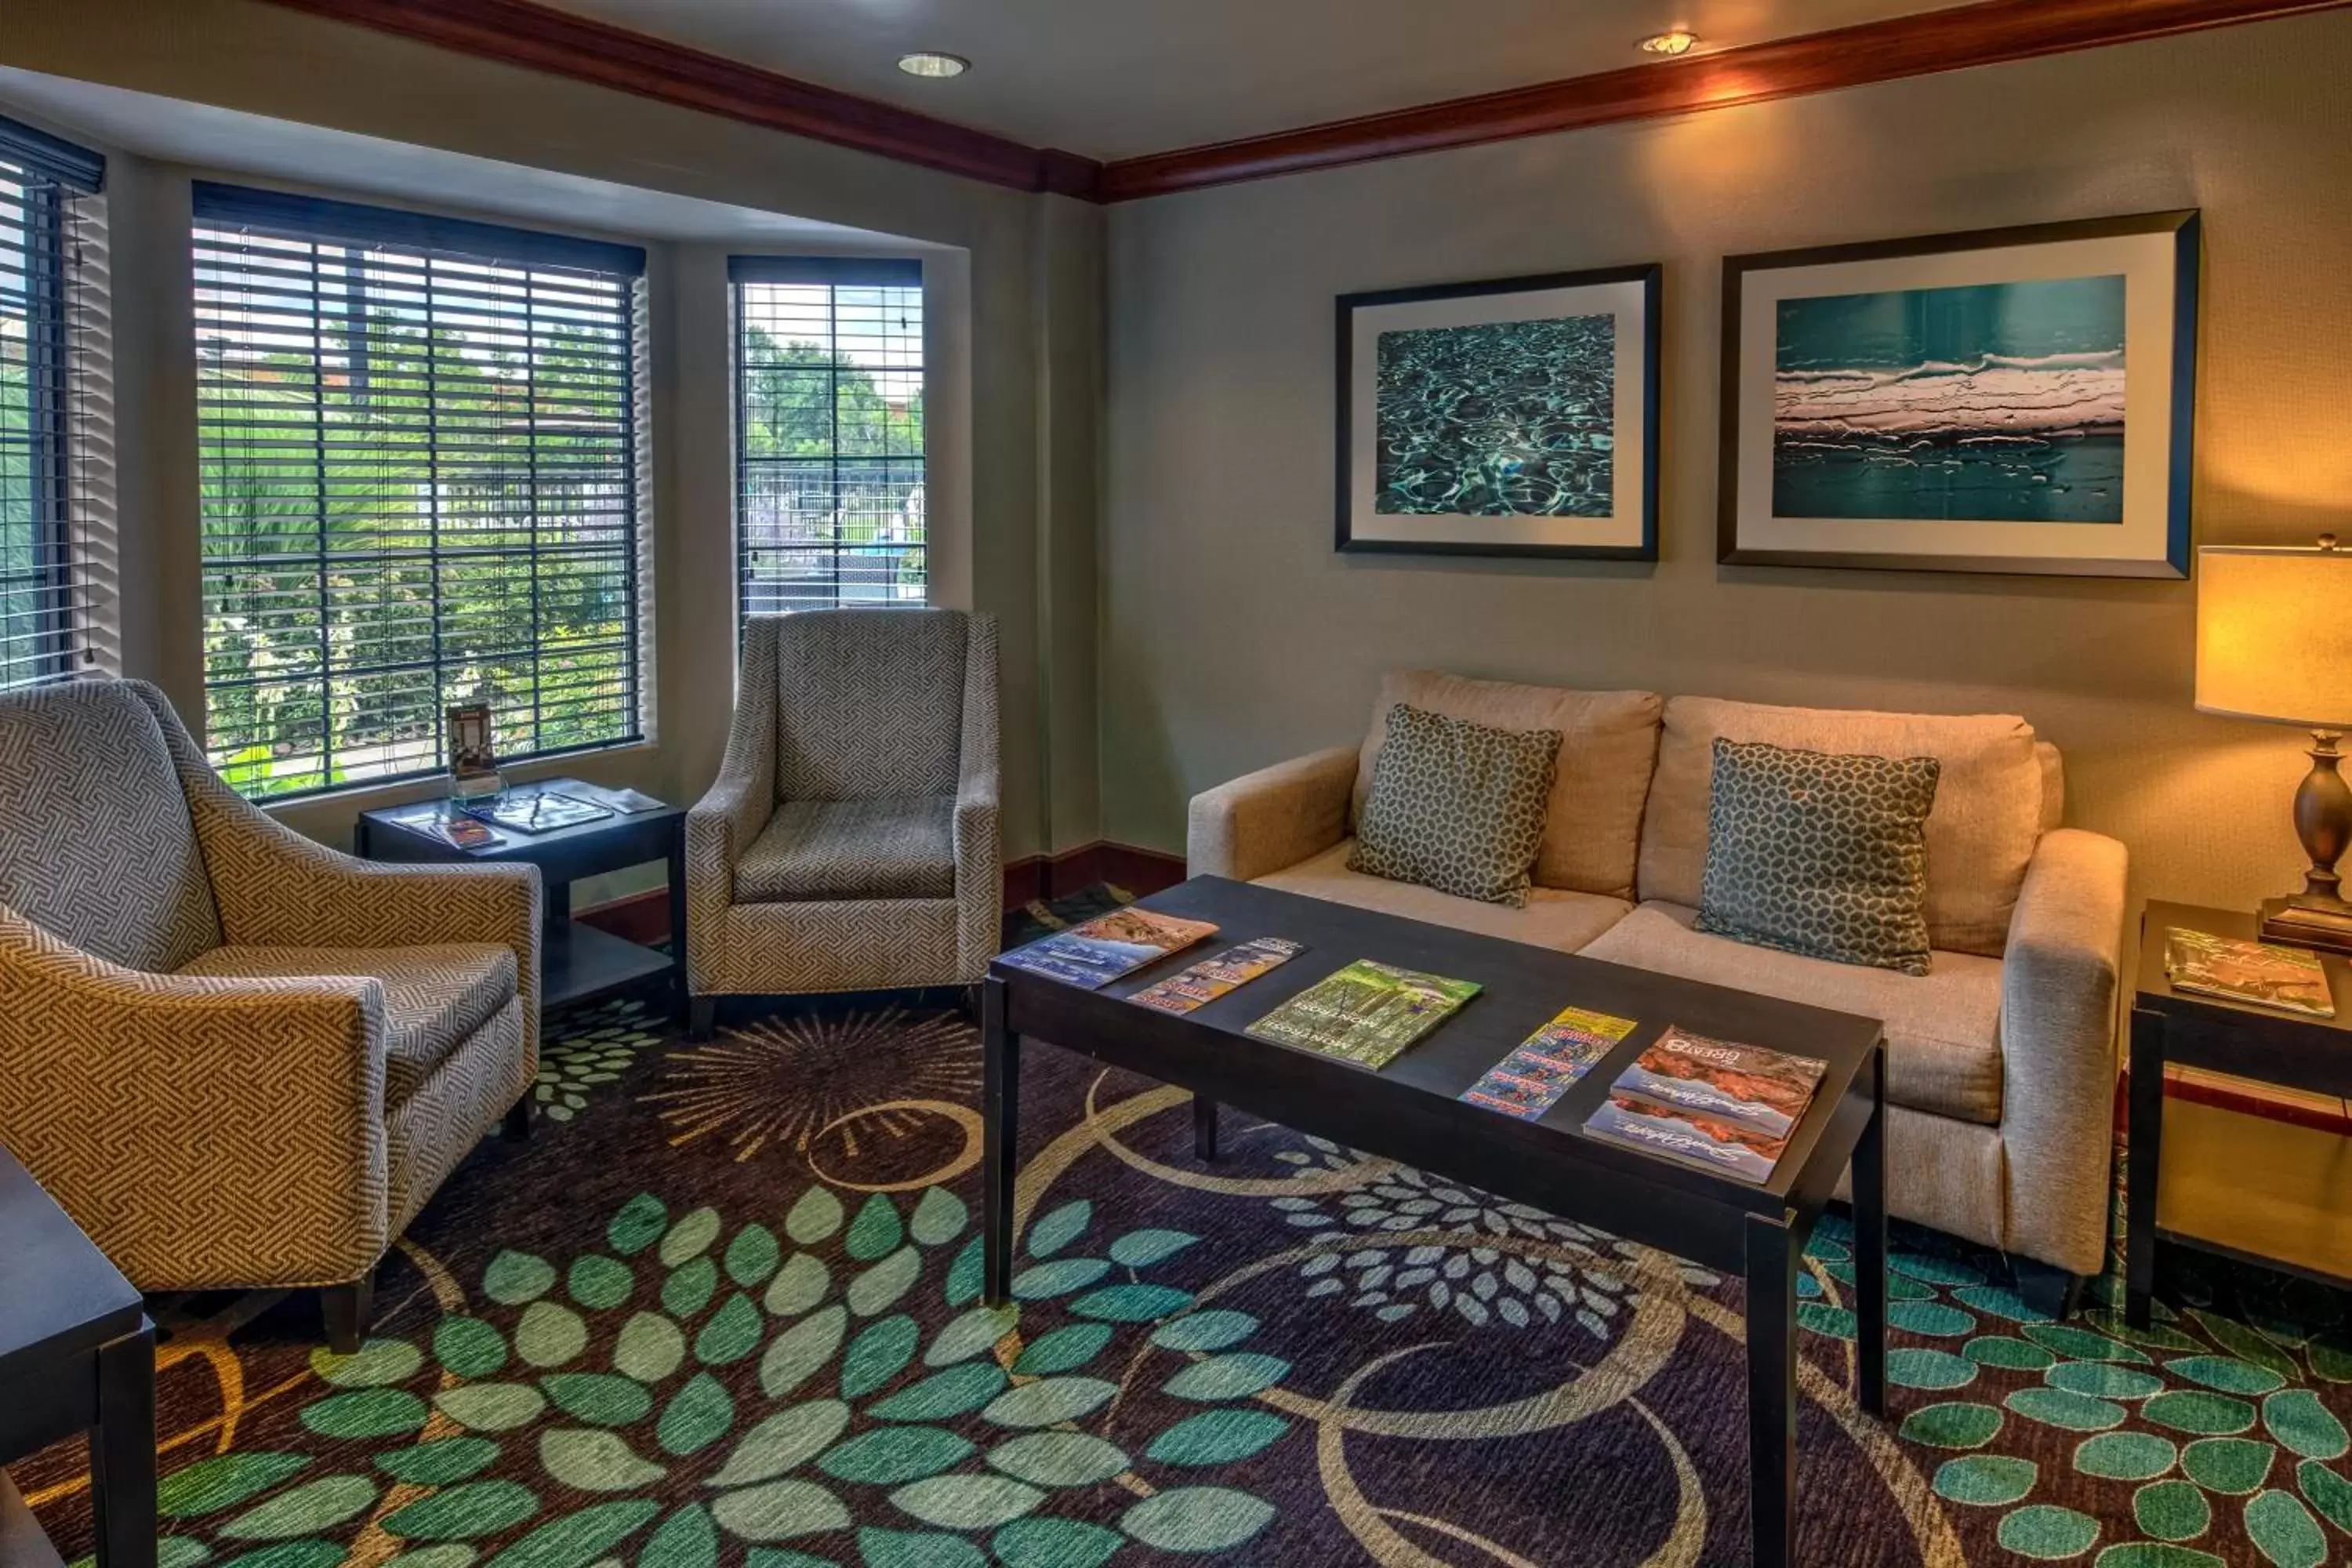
(1514, 417)
(2016, 400)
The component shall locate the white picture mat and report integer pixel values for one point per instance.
(1629, 459)
(2147, 263)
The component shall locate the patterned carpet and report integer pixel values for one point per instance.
(723, 1308)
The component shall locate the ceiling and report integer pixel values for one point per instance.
(1120, 78)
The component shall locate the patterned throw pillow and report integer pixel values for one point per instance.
(1456, 807)
(1820, 855)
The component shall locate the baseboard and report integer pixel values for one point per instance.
(644, 917)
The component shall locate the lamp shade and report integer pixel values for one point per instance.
(2273, 639)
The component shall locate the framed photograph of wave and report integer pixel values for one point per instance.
(1515, 417)
(2010, 400)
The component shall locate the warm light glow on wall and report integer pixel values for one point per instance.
(1675, 41)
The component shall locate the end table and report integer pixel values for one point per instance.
(577, 962)
(2170, 1027)
(77, 1354)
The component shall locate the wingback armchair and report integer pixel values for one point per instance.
(850, 842)
(235, 1056)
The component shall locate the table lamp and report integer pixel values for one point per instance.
(2274, 643)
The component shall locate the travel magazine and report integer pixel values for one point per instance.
(1213, 977)
(1366, 1013)
(1531, 1080)
(1092, 955)
(1709, 1103)
(2286, 978)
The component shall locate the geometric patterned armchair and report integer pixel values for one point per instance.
(235, 1056)
(850, 840)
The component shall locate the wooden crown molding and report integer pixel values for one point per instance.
(539, 37)
(1990, 32)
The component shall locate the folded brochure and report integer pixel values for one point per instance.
(1092, 955)
(1211, 978)
(2286, 978)
(1367, 1014)
(1531, 1080)
(1710, 1103)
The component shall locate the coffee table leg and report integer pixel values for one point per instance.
(1205, 1127)
(2143, 1126)
(1771, 1389)
(1000, 1108)
(1870, 1246)
(122, 1452)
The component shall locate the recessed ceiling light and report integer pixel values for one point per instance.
(925, 62)
(1676, 42)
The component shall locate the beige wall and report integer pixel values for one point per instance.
(1234, 634)
(1023, 292)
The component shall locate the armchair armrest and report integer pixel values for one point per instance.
(206, 1132)
(1274, 817)
(979, 857)
(735, 809)
(2059, 984)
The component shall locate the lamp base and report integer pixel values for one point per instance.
(2323, 925)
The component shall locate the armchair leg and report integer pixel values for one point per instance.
(518, 1122)
(2047, 1289)
(702, 1016)
(347, 1309)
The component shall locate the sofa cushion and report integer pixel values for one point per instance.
(1608, 742)
(1553, 917)
(434, 998)
(813, 850)
(1820, 855)
(1943, 1029)
(96, 843)
(1456, 805)
(1987, 819)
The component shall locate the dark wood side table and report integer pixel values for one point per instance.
(2173, 1027)
(577, 962)
(77, 1354)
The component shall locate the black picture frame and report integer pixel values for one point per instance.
(2177, 429)
(1648, 276)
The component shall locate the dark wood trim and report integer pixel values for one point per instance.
(1649, 275)
(644, 917)
(539, 37)
(1951, 40)
(2186, 228)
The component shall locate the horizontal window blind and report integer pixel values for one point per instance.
(420, 476)
(49, 595)
(830, 473)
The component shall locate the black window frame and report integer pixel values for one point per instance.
(287, 217)
(833, 273)
(51, 173)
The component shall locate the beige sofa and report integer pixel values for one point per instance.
(2001, 1060)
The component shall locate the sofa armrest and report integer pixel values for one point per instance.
(1275, 818)
(2059, 984)
(735, 809)
(206, 1132)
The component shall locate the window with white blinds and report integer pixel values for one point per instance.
(421, 474)
(47, 595)
(829, 433)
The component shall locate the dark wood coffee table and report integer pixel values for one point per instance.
(1410, 1112)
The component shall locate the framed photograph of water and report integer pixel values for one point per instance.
(2011, 400)
(1516, 416)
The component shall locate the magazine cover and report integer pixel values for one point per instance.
(1761, 1091)
(1531, 1080)
(1211, 978)
(1092, 955)
(1689, 1136)
(1367, 1014)
(2283, 977)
